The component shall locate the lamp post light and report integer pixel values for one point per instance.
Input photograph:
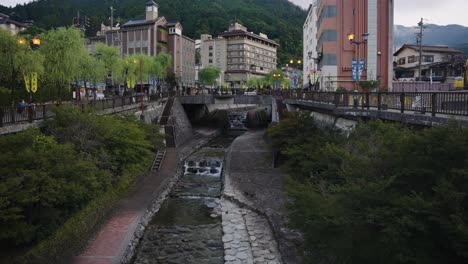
(358, 44)
(297, 68)
(276, 76)
(316, 60)
(141, 88)
(36, 42)
(32, 80)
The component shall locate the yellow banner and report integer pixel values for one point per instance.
(34, 82)
(26, 82)
(130, 83)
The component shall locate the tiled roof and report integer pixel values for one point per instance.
(4, 19)
(427, 48)
(135, 22)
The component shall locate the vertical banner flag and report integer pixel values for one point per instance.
(354, 69)
(361, 68)
(34, 82)
(27, 82)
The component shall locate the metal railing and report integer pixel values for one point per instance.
(32, 112)
(448, 103)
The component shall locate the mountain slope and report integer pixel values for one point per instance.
(454, 36)
(279, 19)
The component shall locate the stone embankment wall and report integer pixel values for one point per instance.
(183, 130)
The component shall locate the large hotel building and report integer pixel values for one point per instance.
(332, 21)
(240, 54)
(152, 35)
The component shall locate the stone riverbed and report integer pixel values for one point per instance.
(196, 224)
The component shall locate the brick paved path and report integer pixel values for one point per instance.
(113, 238)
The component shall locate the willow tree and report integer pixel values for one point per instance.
(209, 75)
(91, 70)
(62, 49)
(16, 60)
(110, 56)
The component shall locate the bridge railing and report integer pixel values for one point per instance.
(449, 103)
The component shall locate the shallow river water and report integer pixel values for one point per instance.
(188, 227)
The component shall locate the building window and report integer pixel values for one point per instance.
(411, 59)
(329, 59)
(328, 11)
(328, 35)
(402, 61)
(211, 54)
(210, 61)
(428, 58)
(210, 47)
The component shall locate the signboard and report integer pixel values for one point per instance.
(361, 68)
(154, 81)
(27, 82)
(354, 69)
(277, 85)
(294, 79)
(34, 82)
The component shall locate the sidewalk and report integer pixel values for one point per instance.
(112, 240)
(114, 237)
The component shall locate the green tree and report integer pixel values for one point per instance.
(62, 49)
(209, 75)
(110, 56)
(385, 194)
(18, 60)
(91, 70)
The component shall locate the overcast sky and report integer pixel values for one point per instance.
(407, 12)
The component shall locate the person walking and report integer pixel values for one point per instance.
(21, 107)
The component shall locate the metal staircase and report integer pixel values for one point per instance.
(158, 160)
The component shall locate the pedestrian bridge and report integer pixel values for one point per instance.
(416, 108)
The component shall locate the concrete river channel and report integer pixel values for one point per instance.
(195, 224)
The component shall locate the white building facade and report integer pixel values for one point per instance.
(310, 73)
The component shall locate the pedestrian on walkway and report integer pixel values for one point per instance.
(21, 107)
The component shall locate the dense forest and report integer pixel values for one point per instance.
(279, 19)
(383, 194)
(58, 182)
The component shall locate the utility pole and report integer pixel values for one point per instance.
(112, 17)
(420, 37)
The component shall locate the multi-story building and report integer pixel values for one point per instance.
(239, 54)
(335, 21)
(11, 25)
(248, 55)
(213, 53)
(152, 35)
(310, 73)
(197, 59)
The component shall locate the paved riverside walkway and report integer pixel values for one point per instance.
(256, 190)
(112, 239)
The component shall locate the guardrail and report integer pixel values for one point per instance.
(32, 112)
(449, 103)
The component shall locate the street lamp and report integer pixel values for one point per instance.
(141, 88)
(36, 42)
(276, 76)
(315, 69)
(351, 37)
(31, 81)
